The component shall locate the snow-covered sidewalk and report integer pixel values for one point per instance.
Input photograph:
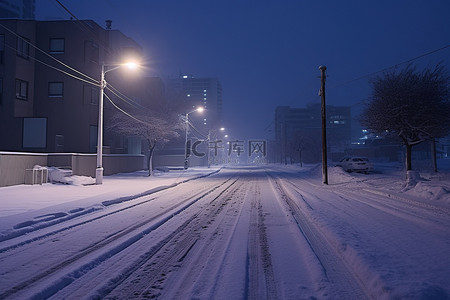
(21, 199)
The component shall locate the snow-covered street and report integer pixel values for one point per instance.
(244, 232)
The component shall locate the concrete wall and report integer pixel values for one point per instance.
(123, 163)
(178, 161)
(13, 165)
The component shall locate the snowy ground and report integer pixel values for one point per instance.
(269, 232)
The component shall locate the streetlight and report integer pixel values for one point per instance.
(209, 139)
(99, 169)
(186, 161)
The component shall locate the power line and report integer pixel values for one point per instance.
(55, 68)
(94, 82)
(87, 29)
(124, 112)
(66, 9)
(64, 72)
(46, 54)
(376, 72)
(123, 97)
(391, 67)
(107, 49)
(203, 136)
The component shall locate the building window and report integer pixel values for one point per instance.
(21, 89)
(55, 89)
(2, 49)
(56, 45)
(34, 133)
(23, 47)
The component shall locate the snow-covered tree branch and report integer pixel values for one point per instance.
(410, 105)
(155, 128)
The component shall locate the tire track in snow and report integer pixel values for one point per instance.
(343, 281)
(201, 273)
(391, 221)
(13, 244)
(423, 214)
(31, 226)
(146, 279)
(403, 207)
(67, 279)
(260, 274)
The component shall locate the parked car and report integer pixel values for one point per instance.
(356, 164)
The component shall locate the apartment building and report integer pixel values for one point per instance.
(49, 92)
(21, 9)
(190, 92)
(297, 128)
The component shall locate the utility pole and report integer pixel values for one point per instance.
(324, 125)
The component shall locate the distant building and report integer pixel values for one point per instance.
(43, 109)
(185, 93)
(17, 9)
(189, 92)
(300, 129)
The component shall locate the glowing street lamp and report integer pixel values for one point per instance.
(99, 169)
(131, 65)
(209, 139)
(186, 160)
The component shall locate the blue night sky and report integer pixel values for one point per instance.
(267, 53)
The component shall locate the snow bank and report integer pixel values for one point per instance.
(65, 176)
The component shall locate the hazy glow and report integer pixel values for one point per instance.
(200, 109)
(131, 65)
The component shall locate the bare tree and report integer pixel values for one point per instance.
(154, 128)
(410, 105)
(301, 142)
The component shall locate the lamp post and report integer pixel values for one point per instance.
(99, 169)
(186, 160)
(209, 139)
